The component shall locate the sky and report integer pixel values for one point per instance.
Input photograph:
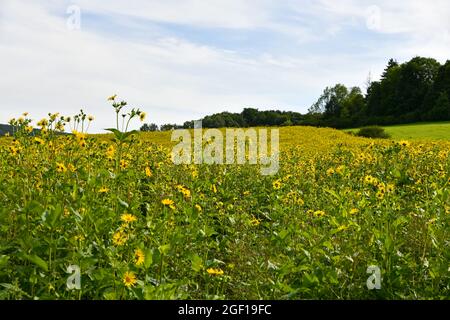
(180, 60)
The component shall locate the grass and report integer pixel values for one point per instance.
(418, 131)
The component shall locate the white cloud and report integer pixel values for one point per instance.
(47, 68)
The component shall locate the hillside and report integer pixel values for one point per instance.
(418, 131)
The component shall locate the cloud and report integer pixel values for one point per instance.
(212, 13)
(181, 60)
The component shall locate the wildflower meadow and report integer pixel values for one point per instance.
(113, 217)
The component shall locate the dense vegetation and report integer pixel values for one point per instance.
(140, 227)
(372, 132)
(418, 90)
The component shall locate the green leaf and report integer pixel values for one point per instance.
(333, 193)
(36, 260)
(3, 260)
(283, 234)
(396, 173)
(148, 258)
(123, 203)
(164, 249)
(55, 215)
(117, 133)
(127, 134)
(196, 263)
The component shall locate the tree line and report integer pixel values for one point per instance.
(414, 91)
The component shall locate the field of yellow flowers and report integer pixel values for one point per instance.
(139, 227)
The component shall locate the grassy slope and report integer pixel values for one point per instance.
(304, 136)
(432, 131)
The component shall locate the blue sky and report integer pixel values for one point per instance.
(180, 60)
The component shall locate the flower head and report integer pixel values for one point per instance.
(129, 279)
(276, 184)
(215, 271)
(119, 238)
(404, 143)
(319, 213)
(128, 218)
(112, 98)
(167, 202)
(139, 257)
(103, 190)
(60, 167)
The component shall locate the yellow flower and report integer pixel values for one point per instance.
(110, 152)
(214, 271)
(59, 126)
(255, 222)
(119, 238)
(13, 150)
(129, 279)
(404, 143)
(390, 188)
(91, 118)
(43, 123)
(128, 218)
(82, 143)
(276, 184)
(39, 140)
(142, 116)
(79, 238)
(354, 211)
(198, 207)
(330, 172)
(369, 179)
(167, 202)
(60, 167)
(112, 98)
(186, 192)
(103, 190)
(319, 213)
(139, 256)
(54, 116)
(340, 169)
(214, 188)
(123, 164)
(380, 195)
(148, 172)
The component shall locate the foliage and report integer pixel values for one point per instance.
(149, 127)
(417, 90)
(372, 132)
(140, 227)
